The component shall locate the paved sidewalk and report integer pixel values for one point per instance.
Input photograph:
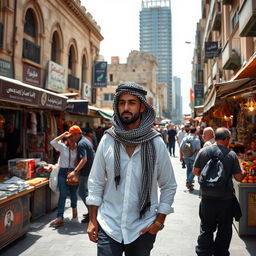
(178, 238)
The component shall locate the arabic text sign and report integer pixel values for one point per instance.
(57, 77)
(211, 49)
(31, 75)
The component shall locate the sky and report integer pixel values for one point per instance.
(119, 22)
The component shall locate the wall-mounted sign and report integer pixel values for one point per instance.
(100, 74)
(87, 92)
(18, 93)
(6, 68)
(31, 75)
(211, 49)
(199, 94)
(57, 77)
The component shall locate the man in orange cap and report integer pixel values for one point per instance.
(85, 156)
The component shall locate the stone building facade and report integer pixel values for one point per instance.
(140, 68)
(50, 44)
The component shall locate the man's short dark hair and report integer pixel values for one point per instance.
(88, 130)
(222, 133)
(192, 129)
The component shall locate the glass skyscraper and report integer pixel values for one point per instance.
(156, 38)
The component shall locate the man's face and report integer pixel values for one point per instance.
(76, 137)
(129, 108)
(187, 128)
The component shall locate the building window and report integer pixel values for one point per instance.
(111, 77)
(108, 96)
(30, 27)
(71, 60)
(55, 53)
(234, 19)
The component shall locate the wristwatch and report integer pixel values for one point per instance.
(160, 225)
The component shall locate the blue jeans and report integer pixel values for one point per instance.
(63, 187)
(83, 189)
(109, 247)
(189, 163)
(172, 147)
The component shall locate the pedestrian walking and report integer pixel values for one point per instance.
(67, 161)
(131, 162)
(171, 139)
(189, 148)
(180, 135)
(85, 157)
(208, 136)
(216, 211)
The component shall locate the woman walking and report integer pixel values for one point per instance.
(67, 159)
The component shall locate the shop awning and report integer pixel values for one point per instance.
(249, 70)
(77, 107)
(12, 90)
(235, 87)
(210, 100)
(105, 113)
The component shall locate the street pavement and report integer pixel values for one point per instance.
(178, 238)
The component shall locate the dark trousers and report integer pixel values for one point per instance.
(215, 215)
(109, 247)
(172, 147)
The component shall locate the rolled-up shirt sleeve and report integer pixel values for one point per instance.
(166, 181)
(97, 178)
(59, 146)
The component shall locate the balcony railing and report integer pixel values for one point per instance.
(227, 1)
(1, 35)
(31, 51)
(247, 19)
(231, 56)
(216, 20)
(73, 82)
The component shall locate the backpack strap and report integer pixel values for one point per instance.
(213, 154)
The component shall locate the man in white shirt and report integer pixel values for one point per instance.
(208, 136)
(131, 163)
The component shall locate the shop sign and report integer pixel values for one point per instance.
(251, 209)
(211, 49)
(18, 93)
(199, 91)
(51, 101)
(100, 74)
(87, 92)
(57, 77)
(31, 75)
(77, 107)
(6, 68)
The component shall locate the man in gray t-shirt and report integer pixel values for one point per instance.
(217, 213)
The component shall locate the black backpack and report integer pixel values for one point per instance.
(213, 178)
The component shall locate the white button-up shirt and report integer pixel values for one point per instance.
(118, 212)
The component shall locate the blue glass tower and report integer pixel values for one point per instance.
(156, 38)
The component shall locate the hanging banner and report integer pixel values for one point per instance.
(87, 92)
(199, 94)
(31, 75)
(211, 49)
(100, 74)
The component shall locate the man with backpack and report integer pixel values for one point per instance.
(216, 165)
(189, 147)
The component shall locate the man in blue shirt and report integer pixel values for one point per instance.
(189, 160)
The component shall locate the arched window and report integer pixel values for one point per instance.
(71, 60)
(30, 25)
(83, 69)
(55, 53)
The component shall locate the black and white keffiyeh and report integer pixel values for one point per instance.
(143, 135)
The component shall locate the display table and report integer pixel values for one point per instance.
(246, 195)
(14, 216)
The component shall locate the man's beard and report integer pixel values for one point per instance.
(127, 120)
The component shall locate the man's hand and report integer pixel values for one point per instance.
(71, 175)
(152, 229)
(92, 230)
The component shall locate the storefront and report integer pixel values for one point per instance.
(29, 118)
(235, 108)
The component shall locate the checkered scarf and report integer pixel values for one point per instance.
(143, 135)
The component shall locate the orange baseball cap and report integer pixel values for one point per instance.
(74, 129)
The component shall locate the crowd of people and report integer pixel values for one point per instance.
(123, 168)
